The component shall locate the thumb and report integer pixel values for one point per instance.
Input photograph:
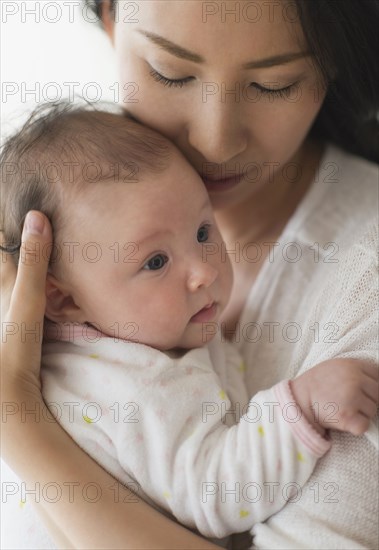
(8, 274)
(28, 298)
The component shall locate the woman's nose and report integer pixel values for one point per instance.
(216, 131)
(202, 274)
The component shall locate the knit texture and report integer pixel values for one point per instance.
(322, 306)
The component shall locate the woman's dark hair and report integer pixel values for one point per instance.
(97, 5)
(343, 36)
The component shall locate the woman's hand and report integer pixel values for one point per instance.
(23, 307)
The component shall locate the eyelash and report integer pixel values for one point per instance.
(169, 82)
(180, 82)
(281, 92)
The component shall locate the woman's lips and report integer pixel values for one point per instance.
(206, 314)
(223, 184)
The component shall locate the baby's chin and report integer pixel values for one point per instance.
(200, 335)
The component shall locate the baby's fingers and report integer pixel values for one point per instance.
(370, 388)
(358, 424)
(368, 407)
(372, 371)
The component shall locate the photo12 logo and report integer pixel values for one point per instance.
(66, 11)
(250, 12)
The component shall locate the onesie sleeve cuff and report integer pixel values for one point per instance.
(301, 428)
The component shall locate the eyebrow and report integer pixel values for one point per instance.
(150, 237)
(275, 60)
(172, 48)
(182, 53)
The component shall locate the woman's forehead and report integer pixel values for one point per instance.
(246, 30)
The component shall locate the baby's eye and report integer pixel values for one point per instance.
(203, 234)
(155, 263)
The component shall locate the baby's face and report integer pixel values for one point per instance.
(150, 265)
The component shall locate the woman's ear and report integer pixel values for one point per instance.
(60, 305)
(107, 18)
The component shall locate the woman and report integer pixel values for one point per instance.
(252, 93)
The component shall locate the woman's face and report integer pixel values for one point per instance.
(230, 83)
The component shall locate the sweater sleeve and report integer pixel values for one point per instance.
(347, 309)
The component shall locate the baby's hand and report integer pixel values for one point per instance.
(339, 394)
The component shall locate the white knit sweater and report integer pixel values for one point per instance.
(300, 313)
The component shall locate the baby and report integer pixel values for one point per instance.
(133, 363)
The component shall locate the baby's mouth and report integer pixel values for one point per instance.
(207, 313)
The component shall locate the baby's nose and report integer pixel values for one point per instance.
(201, 274)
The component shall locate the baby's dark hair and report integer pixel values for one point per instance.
(63, 146)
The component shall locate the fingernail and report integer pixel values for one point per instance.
(34, 223)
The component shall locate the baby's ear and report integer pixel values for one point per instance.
(60, 305)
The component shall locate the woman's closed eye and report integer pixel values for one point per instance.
(170, 82)
(280, 92)
(156, 262)
(180, 82)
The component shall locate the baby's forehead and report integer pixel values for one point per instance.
(136, 192)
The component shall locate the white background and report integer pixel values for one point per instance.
(45, 44)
